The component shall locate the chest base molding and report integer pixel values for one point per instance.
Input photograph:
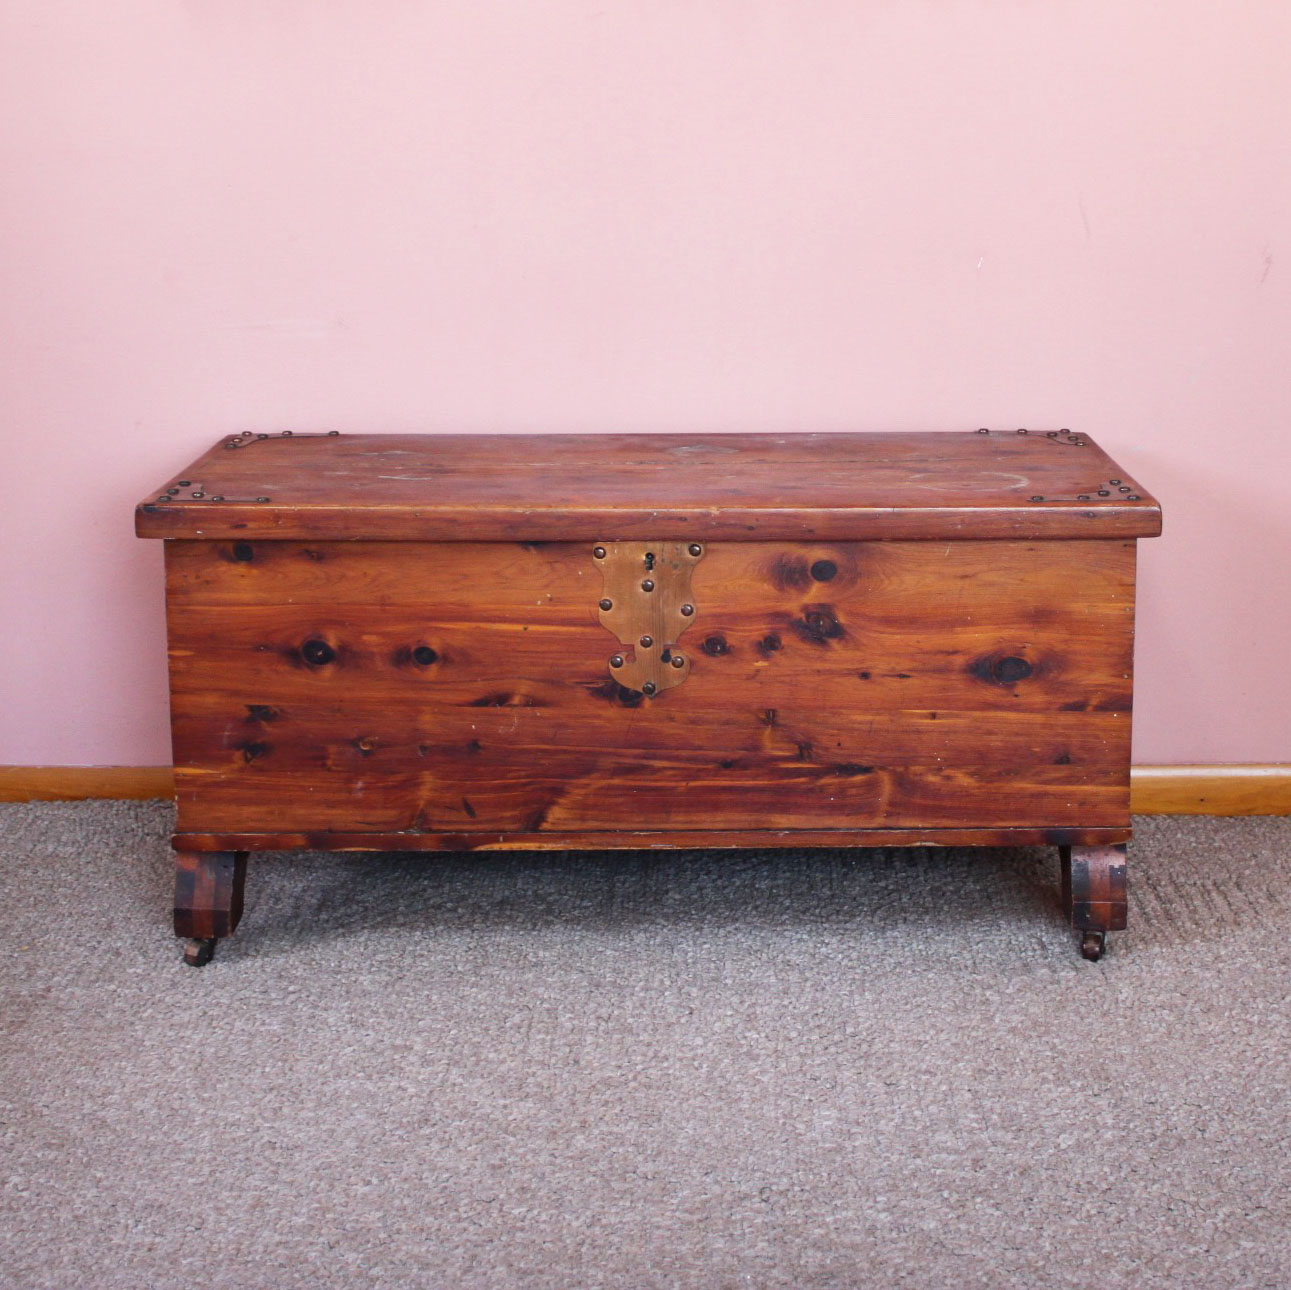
(1226, 789)
(672, 840)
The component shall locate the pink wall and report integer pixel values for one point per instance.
(642, 214)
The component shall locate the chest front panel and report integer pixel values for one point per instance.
(428, 687)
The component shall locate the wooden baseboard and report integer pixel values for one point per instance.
(76, 783)
(1243, 789)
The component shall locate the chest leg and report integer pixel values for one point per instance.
(208, 899)
(1094, 893)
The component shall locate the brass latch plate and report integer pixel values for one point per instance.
(647, 603)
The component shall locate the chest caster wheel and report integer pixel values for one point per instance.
(199, 950)
(1092, 945)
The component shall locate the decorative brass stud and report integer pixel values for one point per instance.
(617, 660)
(647, 584)
(598, 552)
(648, 688)
(647, 642)
(607, 603)
(687, 610)
(695, 549)
(245, 438)
(678, 661)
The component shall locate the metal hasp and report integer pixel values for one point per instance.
(647, 603)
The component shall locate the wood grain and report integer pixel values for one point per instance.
(1094, 886)
(209, 892)
(1236, 789)
(843, 685)
(646, 840)
(1211, 790)
(79, 783)
(1041, 485)
(511, 623)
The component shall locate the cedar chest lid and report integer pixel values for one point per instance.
(828, 486)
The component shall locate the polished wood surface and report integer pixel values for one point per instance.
(402, 689)
(1001, 484)
(1243, 788)
(452, 643)
(1095, 893)
(648, 839)
(80, 783)
(1094, 886)
(1211, 790)
(209, 889)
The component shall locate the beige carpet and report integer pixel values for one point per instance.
(815, 1069)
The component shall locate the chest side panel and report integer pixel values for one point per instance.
(450, 686)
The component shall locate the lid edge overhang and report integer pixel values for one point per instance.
(321, 522)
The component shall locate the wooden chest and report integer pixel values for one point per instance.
(395, 642)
